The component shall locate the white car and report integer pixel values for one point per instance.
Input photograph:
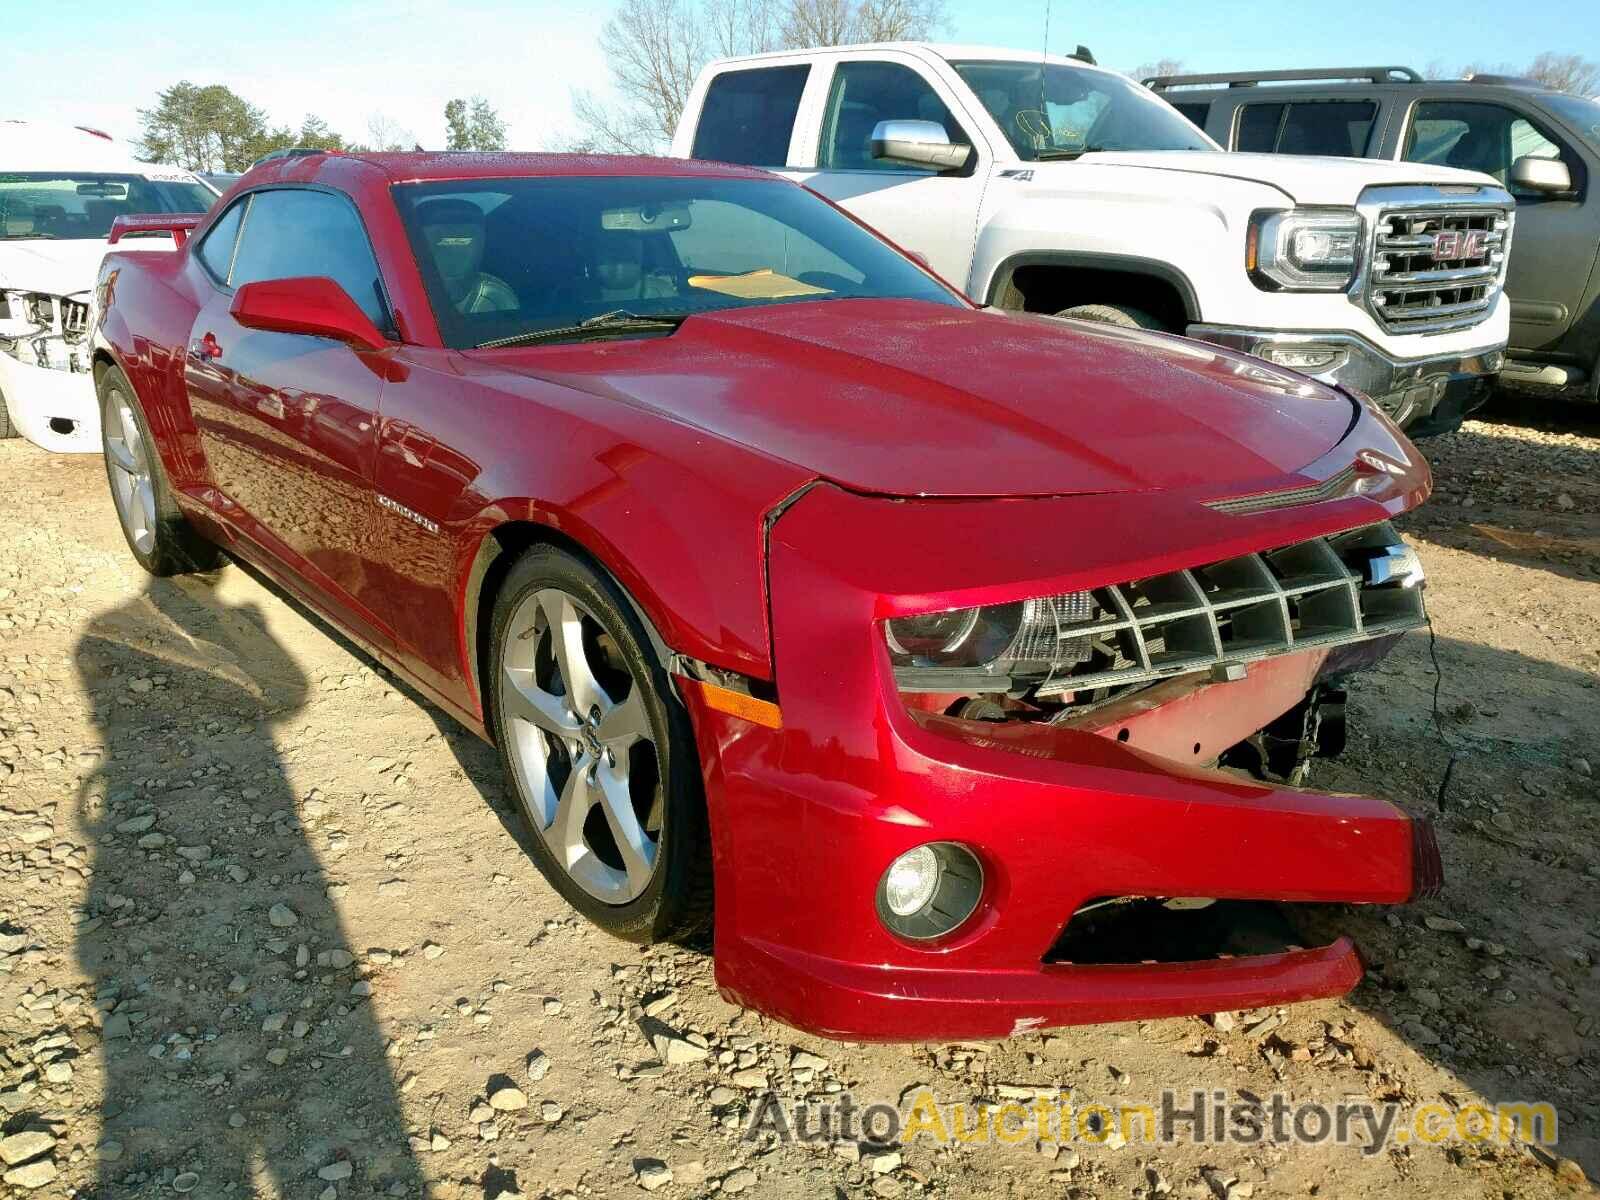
(1049, 185)
(60, 188)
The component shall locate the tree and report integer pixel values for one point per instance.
(474, 127)
(1566, 73)
(202, 128)
(385, 135)
(656, 48)
(1161, 66)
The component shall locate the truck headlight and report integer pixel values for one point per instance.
(1302, 251)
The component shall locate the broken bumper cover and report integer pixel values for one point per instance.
(807, 817)
(52, 408)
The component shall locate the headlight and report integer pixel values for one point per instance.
(992, 647)
(41, 311)
(1303, 251)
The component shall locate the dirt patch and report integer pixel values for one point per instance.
(266, 927)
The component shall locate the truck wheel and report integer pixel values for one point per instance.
(1112, 314)
(7, 429)
(597, 750)
(162, 541)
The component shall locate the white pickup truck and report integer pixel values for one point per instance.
(1047, 184)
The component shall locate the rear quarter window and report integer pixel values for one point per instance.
(748, 116)
(1333, 127)
(1196, 114)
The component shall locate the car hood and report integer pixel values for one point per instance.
(908, 398)
(58, 268)
(1304, 179)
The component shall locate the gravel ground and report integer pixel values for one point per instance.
(265, 927)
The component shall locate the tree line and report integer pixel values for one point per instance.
(212, 129)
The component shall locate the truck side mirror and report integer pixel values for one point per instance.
(1548, 175)
(918, 144)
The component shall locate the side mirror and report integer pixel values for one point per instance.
(918, 144)
(309, 304)
(1548, 175)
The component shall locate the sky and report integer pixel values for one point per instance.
(96, 62)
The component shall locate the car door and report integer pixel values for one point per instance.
(1553, 246)
(288, 422)
(931, 213)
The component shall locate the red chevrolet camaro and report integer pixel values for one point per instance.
(963, 664)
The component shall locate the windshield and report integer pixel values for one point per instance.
(1055, 111)
(1583, 115)
(506, 258)
(81, 207)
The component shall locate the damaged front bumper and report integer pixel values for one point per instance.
(810, 809)
(45, 379)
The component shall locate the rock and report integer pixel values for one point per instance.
(1504, 822)
(735, 1182)
(185, 1183)
(1567, 1171)
(750, 1077)
(1222, 1022)
(550, 1112)
(431, 950)
(722, 1096)
(20, 1147)
(33, 1175)
(274, 1022)
(361, 987)
(480, 1113)
(58, 1072)
(1583, 767)
(277, 1056)
(674, 1049)
(438, 1142)
(651, 1173)
(236, 1120)
(804, 1060)
(538, 1065)
(137, 824)
(281, 916)
(507, 1098)
(881, 1161)
(887, 1186)
(1444, 925)
(336, 1170)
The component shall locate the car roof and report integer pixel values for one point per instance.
(425, 166)
(949, 51)
(1458, 89)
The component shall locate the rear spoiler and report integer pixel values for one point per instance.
(179, 225)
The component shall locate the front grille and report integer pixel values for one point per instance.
(1322, 592)
(1410, 290)
(74, 319)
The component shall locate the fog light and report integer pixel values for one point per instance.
(929, 891)
(1304, 358)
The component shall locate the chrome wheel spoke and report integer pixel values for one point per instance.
(526, 701)
(637, 850)
(623, 724)
(565, 835)
(120, 457)
(565, 623)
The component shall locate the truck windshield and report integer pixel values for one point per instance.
(1583, 115)
(1051, 111)
(81, 207)
(534, 258)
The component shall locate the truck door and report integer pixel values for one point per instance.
(932, 213)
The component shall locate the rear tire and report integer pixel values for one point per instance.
(7, 429)
(161, 539)
(597, 750)
(1112, 314)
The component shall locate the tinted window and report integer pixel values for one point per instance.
(216, 252)
(289, 233)
(1196, 114)
(502, 258)
(748, 116)
(1336, 127)
(80, 206)
(865, 93)
(1480, 137)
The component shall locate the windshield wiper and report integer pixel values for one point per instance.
(1060, 154)
(620, 321)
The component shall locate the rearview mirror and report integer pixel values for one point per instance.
(918, 144)
(1549, 175)
(309, 304)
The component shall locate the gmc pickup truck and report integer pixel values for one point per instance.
(1054, 186)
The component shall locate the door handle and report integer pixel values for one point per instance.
(206, 348)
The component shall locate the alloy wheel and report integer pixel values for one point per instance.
(132, 487)
(581, 745)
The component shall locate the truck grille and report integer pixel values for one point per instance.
(1323, 592)
(1436, 268)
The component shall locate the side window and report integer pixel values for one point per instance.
(748, 116)
(216, 252)
(1478, 137)
(1257, 131)
(291, 232)
(1334, 127)
(865, 93)
(1196, 114)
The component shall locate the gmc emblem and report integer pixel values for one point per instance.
(1459, 243)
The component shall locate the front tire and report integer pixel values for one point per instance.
(162, 541)
(598, 751)
(1112, 314)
